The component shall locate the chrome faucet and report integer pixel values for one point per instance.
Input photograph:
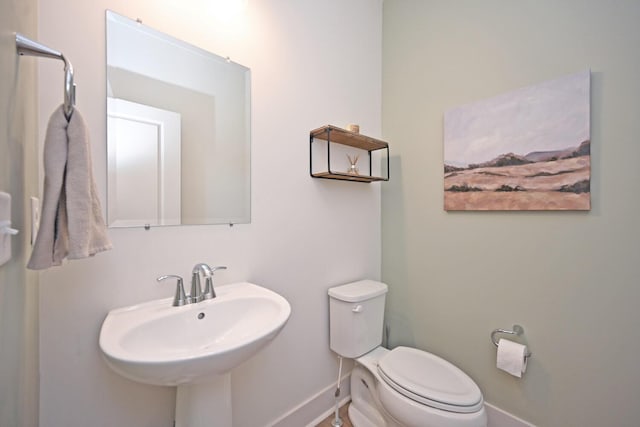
(197, 294)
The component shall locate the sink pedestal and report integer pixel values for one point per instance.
(205, 404)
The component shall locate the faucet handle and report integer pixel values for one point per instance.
(180, 298)
(209, 292)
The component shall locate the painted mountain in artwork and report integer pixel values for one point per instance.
(511, 159)
(544, 156)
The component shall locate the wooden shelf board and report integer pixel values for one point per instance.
(347, 177)
(345, 137)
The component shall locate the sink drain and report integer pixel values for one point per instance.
(200, 315)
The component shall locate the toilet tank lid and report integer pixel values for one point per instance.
(361, 290)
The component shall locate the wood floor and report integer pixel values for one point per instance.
(343, 415)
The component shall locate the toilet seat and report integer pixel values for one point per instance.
(430, 380)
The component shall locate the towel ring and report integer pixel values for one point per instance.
(28, 47)
(517, 330)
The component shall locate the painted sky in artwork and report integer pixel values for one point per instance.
(553, 115)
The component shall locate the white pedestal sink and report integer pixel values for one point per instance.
(194, 347)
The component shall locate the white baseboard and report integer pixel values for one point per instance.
(499, 418)
(306, 413)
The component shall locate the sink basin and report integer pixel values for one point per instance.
(156, 343)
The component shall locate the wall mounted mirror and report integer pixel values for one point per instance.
(178, 131)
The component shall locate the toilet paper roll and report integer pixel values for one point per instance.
(511, 357)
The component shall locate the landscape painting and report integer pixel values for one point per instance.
(528, 149)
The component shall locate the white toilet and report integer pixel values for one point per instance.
(403, 387)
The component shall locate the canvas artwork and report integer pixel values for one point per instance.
(528, 149)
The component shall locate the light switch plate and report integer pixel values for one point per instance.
(5, 224)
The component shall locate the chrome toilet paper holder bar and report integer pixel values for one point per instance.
(517, 330)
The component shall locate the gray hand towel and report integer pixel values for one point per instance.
(71, 222)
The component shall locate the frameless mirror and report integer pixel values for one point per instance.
(178, 131)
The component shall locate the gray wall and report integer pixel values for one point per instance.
(571, 279)
(18, 176)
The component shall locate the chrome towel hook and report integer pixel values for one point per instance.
(28, 47)
(517, 330)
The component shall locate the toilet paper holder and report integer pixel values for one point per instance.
(517, 330)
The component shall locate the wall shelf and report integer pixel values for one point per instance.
(332, 134)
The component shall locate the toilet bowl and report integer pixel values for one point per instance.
(434, 394)
(403, 387)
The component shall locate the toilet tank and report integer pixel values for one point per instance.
(356, 315)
